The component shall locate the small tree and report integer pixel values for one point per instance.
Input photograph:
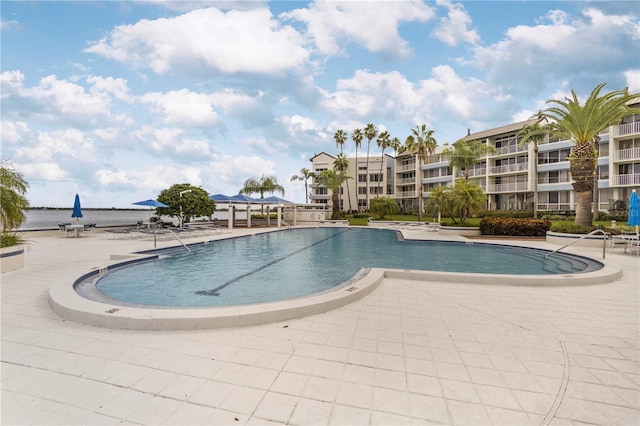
(467, 198)
(195, 203)
(305, 175)
(382, 206)
(260, 186)
(439, 202)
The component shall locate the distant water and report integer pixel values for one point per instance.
(50, 218)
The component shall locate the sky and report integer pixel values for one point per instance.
(119, 100)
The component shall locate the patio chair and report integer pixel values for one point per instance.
(616, 242)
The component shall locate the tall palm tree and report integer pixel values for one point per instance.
(383, 142)
(422, 144)
(582, 124)
(341, 138)
(395, 144)
(305, 175)
(260, 186)
(333, 180)
(534, 133)
(357, 137)
(341, 164)
(370, 132)
(13, 203)
(463, 154)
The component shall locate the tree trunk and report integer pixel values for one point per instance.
(335, 208)
(583, 208)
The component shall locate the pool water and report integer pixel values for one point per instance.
(300, 262)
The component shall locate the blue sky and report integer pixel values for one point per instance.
(119, 100)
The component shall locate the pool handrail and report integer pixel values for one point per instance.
(177, 238)
(604, 242)
(286, 223)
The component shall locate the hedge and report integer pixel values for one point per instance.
(514, 226)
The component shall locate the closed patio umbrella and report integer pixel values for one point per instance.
(634, 210)
(77, 209)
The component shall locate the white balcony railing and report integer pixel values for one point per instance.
(509, 187)
(473, 172)
(405, 181)
(626, 154)
(626, 129)
(510, 168)
(406, 167)
(511, 149)
(406, 194)
(626, 180)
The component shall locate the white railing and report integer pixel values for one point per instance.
(473, 172)
(510, 168)
(626, 129)
(626, 154)
(405, 167)
(511, 148)
(406, 194)
(509, 187)
(405, 180)
(544, 180)
(626, 180)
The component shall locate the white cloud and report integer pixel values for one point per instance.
(372, 25)
(183, 107)
(45, 171)
(13, 131)
(209, 39)
(454, 28)
(633, 80)
(115, 86)
(58, 146)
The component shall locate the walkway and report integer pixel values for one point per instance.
(409, 353)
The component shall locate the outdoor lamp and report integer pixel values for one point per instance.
(182, 192)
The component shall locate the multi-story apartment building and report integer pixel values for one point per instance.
(354, 192)
(511, 176)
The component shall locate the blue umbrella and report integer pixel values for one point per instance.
(634, 210)
(219, 197)
(244, 198)
(77, 209)
(150, 203)
(274, 199)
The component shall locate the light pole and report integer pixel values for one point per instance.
(182, 192)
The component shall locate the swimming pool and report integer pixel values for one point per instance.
(301, 262)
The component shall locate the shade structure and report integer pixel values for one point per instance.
(244, 199)
(77, 209)
(274, 199)
(150, 204)
(634, 210)
(220, 198)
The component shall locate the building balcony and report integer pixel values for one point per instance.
(510, 149)
(406, 167)
(405, 181)
(626, 129)
(510, 168)
(319, 196)
(406, 194)
(626, 180)
(472, 172)
(626, 154)
(508, 187)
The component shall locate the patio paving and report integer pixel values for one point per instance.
(409, 353)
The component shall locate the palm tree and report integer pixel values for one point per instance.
(333, 180)
(464, 154)
(260, 186)
(384, 141)
(370, 132)
(439, 202)
(383, 206)
(582, 124)
(534, 133)
(13, 203)
(467, 198)
(341, 164)
(395, 144)
(305, 175)
(341, 138)
(422, 144)
(357, 137)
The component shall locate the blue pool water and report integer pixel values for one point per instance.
(283, 265)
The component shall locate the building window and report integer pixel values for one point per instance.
(362, 204)
(362, 178)
(362, 190)
(321, 191)
(375, 177)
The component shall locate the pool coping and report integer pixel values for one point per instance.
(66, 302)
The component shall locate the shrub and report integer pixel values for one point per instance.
(514, 226)
(8, 239)
(571, 228)
(361, 216)
(509, 213)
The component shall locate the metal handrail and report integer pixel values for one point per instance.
(177, 238)
(286, 223)
(604, 242)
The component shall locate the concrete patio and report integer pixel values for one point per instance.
(409, 353)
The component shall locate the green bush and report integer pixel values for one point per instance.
(509, 213)
(514, 226)
(566, 227)
(361, 216)
(8, 239)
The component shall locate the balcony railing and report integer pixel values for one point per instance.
(511, 148)
(406, 167)
(406, 194)
(544, 180)
(626, 154)
(509, 187)
(510, 168)
(473, 172)
(626, 180)
(405, 181)
(626, 129)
